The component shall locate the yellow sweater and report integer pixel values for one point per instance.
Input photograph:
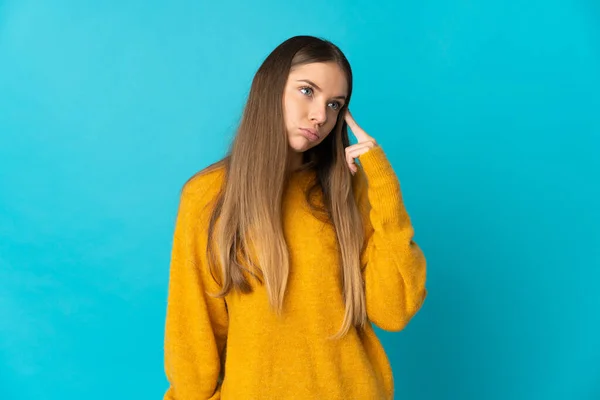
(290, 357)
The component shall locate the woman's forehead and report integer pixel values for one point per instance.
(329, 77)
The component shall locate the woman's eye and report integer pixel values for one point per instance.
(306, 90)
(335, 105)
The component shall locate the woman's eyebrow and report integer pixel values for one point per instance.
(318, 88)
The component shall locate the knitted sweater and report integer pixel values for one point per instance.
(291, 356)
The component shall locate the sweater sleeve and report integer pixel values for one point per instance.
(393, 265)
(196, 323)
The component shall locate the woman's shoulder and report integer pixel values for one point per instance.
(205, 184)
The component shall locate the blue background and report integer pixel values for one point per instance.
(489, 112)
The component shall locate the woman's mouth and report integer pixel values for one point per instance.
(309, 134)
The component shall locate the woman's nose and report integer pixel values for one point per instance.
(318, 114)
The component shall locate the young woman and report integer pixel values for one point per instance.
(287, 251)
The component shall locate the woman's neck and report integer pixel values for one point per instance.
(295, 160)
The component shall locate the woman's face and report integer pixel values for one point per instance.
(313, 97)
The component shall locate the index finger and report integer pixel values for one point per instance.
(357, 130)
(350, 120)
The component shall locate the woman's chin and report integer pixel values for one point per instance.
(299, 144)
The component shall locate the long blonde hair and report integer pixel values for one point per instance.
(248, 208)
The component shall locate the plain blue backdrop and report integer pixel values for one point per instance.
(489, 112)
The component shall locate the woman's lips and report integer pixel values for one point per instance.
(309, 134)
